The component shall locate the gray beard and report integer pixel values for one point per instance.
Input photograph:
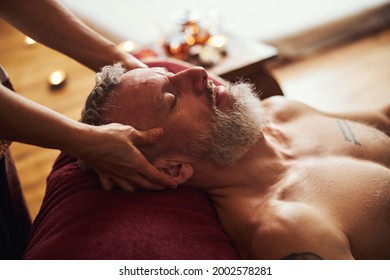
(235, 131)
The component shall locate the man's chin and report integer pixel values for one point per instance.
(237, 124)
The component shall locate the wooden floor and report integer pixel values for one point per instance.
(356, 75)
(352, 76)
(29, 68)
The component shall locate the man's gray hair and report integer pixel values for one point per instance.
(96, 102)
(230, 136)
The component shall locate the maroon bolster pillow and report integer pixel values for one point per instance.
(79, 220)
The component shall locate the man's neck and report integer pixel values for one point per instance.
(237, 190)
(260, 168)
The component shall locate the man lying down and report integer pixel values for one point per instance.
(286, 180)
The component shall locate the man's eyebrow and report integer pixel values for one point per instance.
(160, 70)
(166, 83)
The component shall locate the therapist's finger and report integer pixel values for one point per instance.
(146, 137)
(149, 171)
(153, 175)
(106, 182)
(125, 185)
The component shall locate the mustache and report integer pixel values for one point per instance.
(210, 93)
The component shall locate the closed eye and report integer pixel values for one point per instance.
(171, 99)
(174, 101)
(169, 93)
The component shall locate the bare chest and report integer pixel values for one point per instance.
(322, 137)
(354, 195)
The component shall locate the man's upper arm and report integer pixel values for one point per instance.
(379, 118)
(297, 231)
(286, 109)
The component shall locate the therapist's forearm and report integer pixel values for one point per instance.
(50, 23)
(25, 121)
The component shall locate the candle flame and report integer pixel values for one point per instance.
(57, 77)
(218, 41)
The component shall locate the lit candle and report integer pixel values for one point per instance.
(127, 46)
(209, 56)
(57, 79)
(175, 47)
(28, 41)
(190, 40)
(218, 41)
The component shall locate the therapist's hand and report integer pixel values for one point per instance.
(111, 152)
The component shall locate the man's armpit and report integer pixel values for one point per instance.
(302, 256)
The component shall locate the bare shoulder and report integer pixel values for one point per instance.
(291, 230)
(283, 109)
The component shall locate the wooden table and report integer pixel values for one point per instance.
(246, 59)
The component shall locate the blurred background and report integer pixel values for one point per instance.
(290, 25)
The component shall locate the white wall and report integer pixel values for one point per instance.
(141, 20)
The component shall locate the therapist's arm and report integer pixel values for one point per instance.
(52, 24)
(109, 149)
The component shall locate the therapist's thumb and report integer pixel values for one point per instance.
(147, 137)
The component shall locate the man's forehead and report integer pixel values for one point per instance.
(147, 73)
(138, 98)
(141, 81)
(136, 76)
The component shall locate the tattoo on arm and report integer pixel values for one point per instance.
(347, 132)
(302, 256)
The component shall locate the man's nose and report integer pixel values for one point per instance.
(195, 78)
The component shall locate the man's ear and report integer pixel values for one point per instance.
(179, 171)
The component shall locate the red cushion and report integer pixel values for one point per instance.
(78, 220)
